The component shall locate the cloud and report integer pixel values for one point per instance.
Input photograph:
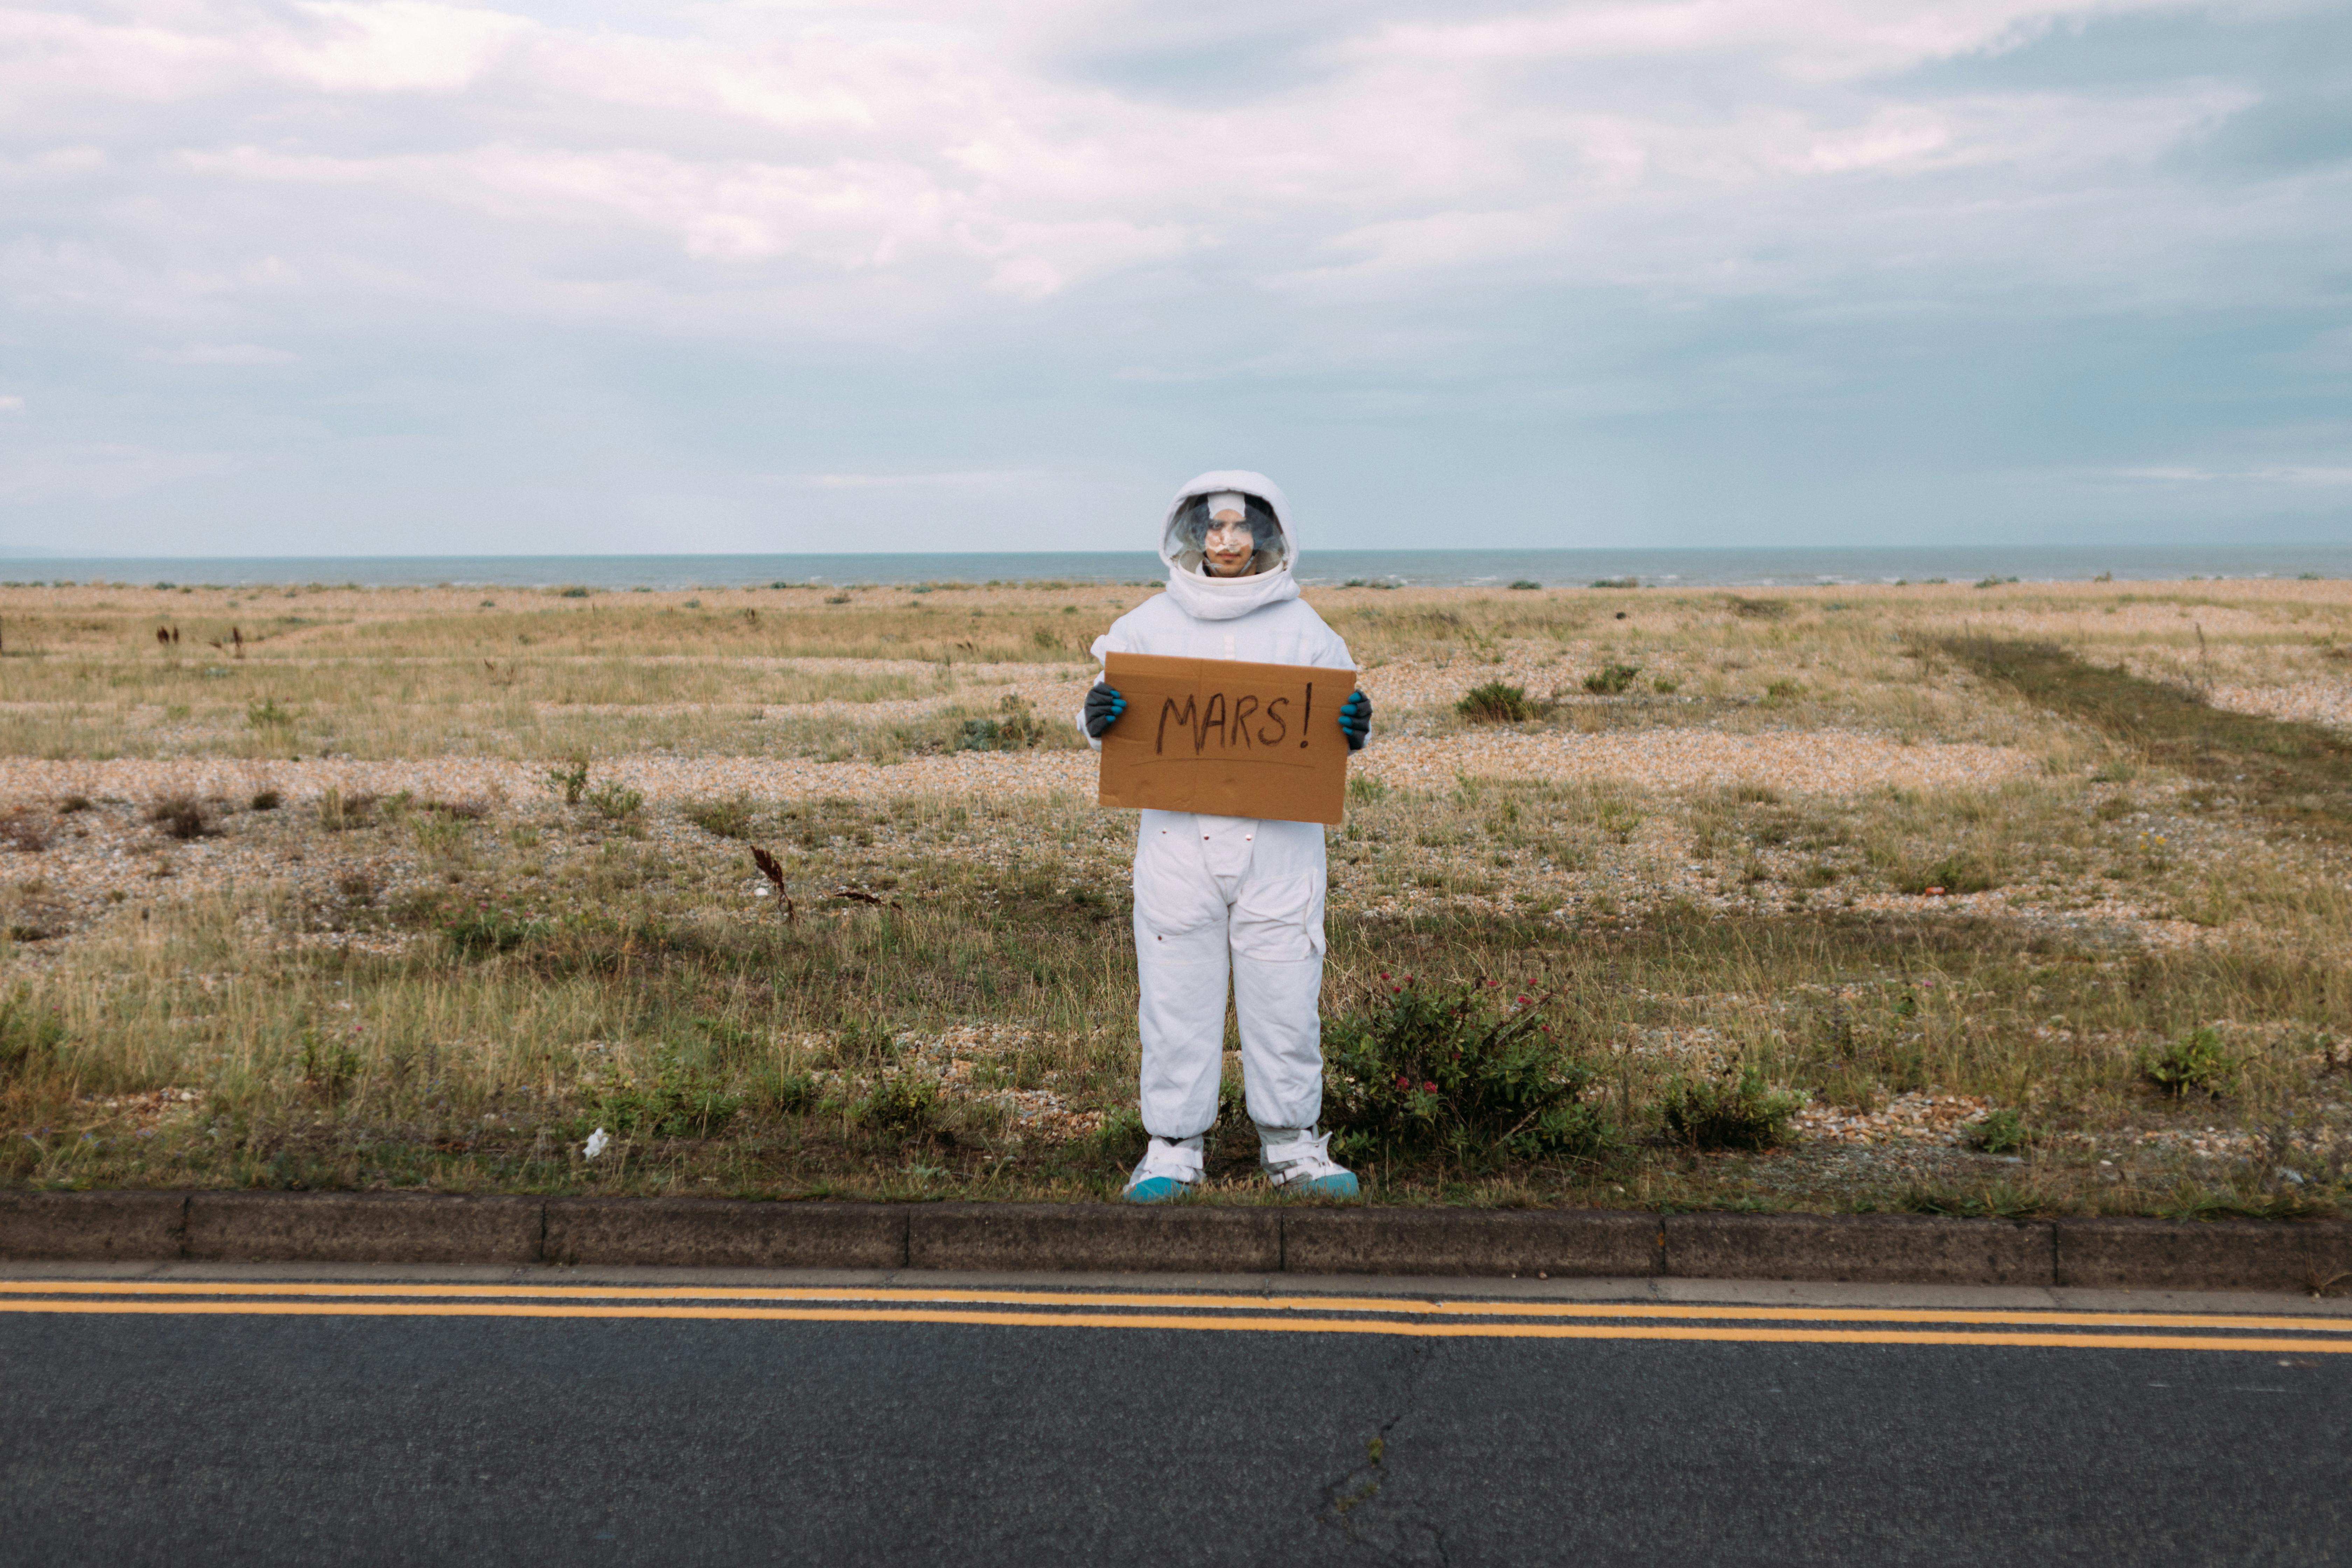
(101, 471)
(221, 354)
(2297, 476)
(932, 243)
(973, 479)
(483, 159)
(12, 404)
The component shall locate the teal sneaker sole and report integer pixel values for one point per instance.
(1340, 1186)
(1159, 1190)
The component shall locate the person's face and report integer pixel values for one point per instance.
(1229, 545)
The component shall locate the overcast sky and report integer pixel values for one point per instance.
(351, 277)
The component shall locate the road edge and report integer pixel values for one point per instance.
(122, 1227)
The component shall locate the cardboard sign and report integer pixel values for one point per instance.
(1230, 738)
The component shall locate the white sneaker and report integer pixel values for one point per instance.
(1302, 1163)
(1168, 1171)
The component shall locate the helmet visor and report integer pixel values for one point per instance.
(1188, 534)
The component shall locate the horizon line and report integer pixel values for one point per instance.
(8, 554)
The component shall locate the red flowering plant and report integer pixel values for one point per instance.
(1467, 1076)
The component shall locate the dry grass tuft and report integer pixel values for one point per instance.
(181, 816)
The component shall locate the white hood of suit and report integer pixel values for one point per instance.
(1224, 599)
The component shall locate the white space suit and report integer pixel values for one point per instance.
(1217, 891)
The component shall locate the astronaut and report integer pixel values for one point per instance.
(1220, 894)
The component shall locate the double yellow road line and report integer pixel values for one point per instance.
(1411, 1317)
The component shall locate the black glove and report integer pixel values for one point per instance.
(1356, 719)
(1103, 705)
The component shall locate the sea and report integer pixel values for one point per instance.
(1660, 568)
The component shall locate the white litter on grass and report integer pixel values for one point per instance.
(596, 1143)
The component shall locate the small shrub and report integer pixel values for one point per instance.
(1994, 581)
(614, 801)
(339, 813)
(22, 831)
(181, 816)
(1525, 583)
(1611, 680)
(1016, 728)
(900, 1106)
(1664, 687)
(1781, 692)
(1758, 609)
(1441, 1074)
(2001, 1131)
(484, 933)
(267, 800)
(794, 1094)
(2197, 1062)
(573, 594)
(835, 598)
(682, 1101)
(1365, 789)
(72, 804)
(569, 781)
(1617, 581)
(269, 715)
(1496, 703)
(1737, 1110)
(724, 818)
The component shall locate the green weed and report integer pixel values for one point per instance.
(901, 1107)
(1737, 1110)
(726, 818)
(487, 932)
(1496, 703)
(569, 782)
(2196, 1063)
(1435, 1073)
(681, 1102)
(1999, 1132)
(614, 801)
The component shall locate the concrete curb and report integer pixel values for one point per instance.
(1862, 1249)
(413, 1227)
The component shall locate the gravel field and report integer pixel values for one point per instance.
(1792, 762)
(2319, 701)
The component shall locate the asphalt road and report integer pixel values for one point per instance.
(133, 1439)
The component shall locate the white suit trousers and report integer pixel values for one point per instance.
(1214, 895)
